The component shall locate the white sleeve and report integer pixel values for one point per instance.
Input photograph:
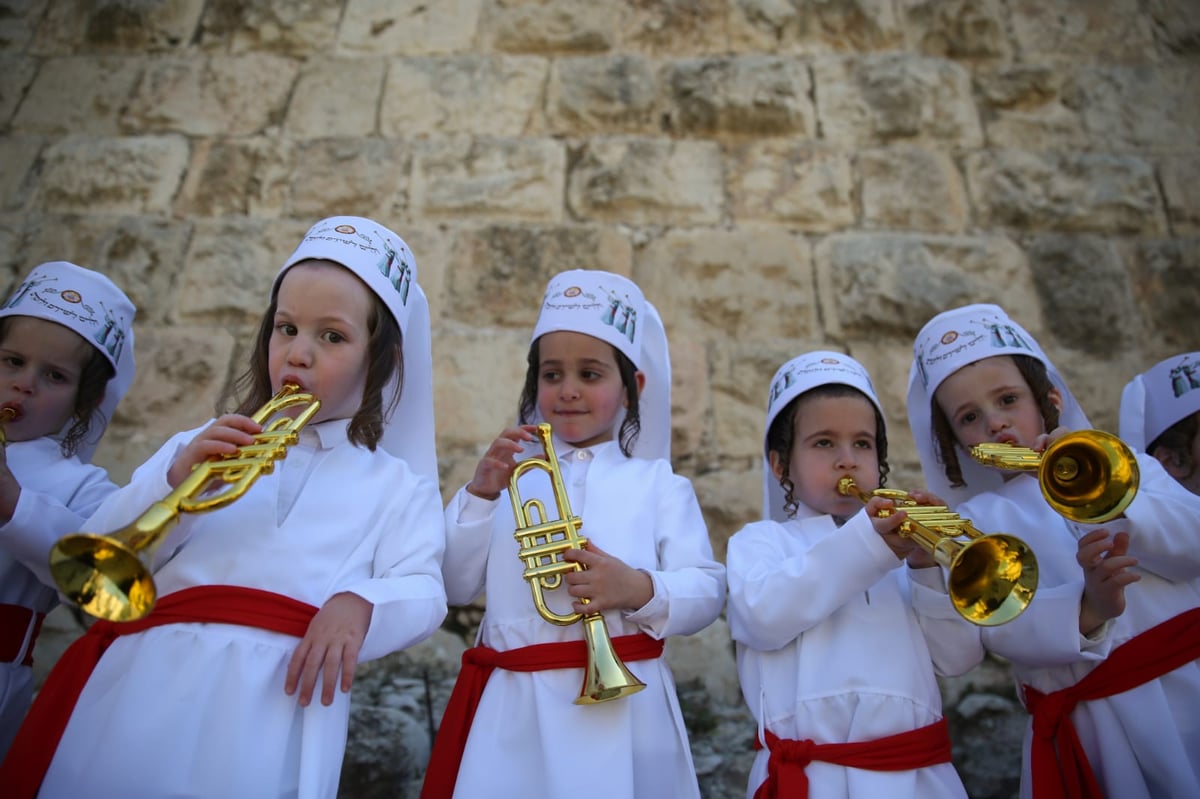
(955, 644)
(1164, 519)
(468, 522)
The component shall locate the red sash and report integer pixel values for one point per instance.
(38, 738)
(478, 663)
(1058, 764)
(904, 751)
(14, 625)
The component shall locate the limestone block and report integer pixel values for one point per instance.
(881, 285)
(1117, 28)
(236, 176)
(602, 94)
(1083, 279)
(483, 95)
(802, 184)
(142, 254)
(973, 29)
(17, 157)
(1180, 178)
(78, 26)
(869, 99)
(79, 94)
(13, 264)
(409, 27)
(1071, 191)
(733, 496)
(731, 284)
(646, 181)
(1026, 106)
(549, 26)
(496, 275)
(514, 178)
(352, 175)
(291, 27)
(832, 25)
(691, 401)
(132, 174)
(741, 373)
(235, 95)
(1140, 107)
(181, 372)
(888, 360)
(673, 26)
(478, 375)
(911, 188)
(229, 268)
(1176, 25)
(1164, 285)
(19, 23)
(336, 97)
(16, 75)
(759, 95)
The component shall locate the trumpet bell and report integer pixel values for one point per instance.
(104, 576)
(605, 676)
(992, 579)
(1089, 476)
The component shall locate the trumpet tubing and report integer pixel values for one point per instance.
(1088, 476)
(108, 576)
(543, 541)
(6, 416)
(991, 578)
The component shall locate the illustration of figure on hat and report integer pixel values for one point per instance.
(627, 323)
(116, 328)
(401, 278)
(25, 288)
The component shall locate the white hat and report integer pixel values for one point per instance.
(947, 343)
(612, 308)
(90, 304)
(800, 374)
(1160, 397)
(383, 261)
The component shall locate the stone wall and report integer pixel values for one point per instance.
(778, 175)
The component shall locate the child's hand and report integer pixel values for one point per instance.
(1106, 572)
(222, 437)
(498, 463)
(1046, 439)
(888, 525)
(334, 638)
(607, 582)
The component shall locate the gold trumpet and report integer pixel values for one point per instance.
(991, 578)
(6, 416)
(1088, 476)
(107, 575)
(543, 542)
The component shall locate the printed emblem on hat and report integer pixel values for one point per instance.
(1184, 378)
(109, 332)
(347, 229)
(573, 291)
(950, 337)
(71, 296)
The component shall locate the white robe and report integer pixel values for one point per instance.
(1143, 743)
(57, 496)
(829, 649)
(199, 709)
(528, 738)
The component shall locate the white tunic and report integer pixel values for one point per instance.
(199, 709)
(528, 738)
(1145, 742)
(829, 649)
(57, 496)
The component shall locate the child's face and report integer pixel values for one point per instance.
(834, 437)
(41, 363)
(320, 336)
(580, 391)
(990, 401)
(1184, 467)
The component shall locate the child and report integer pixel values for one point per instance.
(1160, 413)
(833, 663)
(211, 694)
(599, 374)
(66, 356)
(978, 376)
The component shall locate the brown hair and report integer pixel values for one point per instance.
(781, 437)
(1036, 376)
(385, 357)
(1177, 440)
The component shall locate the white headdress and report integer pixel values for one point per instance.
(947, 343)
(800, 374)
(93, 306)
(1158, 398)
(612, 308)
(383, 261)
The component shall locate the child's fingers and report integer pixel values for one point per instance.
(296, 666)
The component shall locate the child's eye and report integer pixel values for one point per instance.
(14, 360)
(55, 376)
(967, 418)
(822, 443)
(286, 328)
(865, 444)
(550, 375)
(333, 337)
(590, 374)
(1008, 399)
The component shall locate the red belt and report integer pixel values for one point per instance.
(38, 738)
(15, 623)
(478, 663)
(904, 751)
(1058, 764)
